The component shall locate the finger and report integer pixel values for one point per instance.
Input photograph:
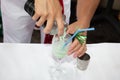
(35, 17)
(60, 24)
(83, 52)
(60, 28)
(76, 49)
(49, 25)
(79, 52)
(71, 28)
(72, 46)
(41, 21)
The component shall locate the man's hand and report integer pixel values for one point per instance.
(85, 12)
(76, 47)
(50, 11)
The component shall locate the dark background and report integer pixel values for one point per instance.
(106, 30)
(106, 22)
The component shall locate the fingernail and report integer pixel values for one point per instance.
(69, 53)
(75, 55)
(79, 55)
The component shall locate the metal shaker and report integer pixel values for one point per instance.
(83, 61)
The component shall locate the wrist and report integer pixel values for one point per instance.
(83, 24)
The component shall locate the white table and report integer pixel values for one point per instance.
(32, 61)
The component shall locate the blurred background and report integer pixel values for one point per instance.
(106, 21)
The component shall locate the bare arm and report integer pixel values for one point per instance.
(50, 11)
(85, 12)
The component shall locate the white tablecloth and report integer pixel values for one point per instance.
(32, 61)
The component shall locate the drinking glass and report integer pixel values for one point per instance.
(59, 53)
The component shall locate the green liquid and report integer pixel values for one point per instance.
(58, 50)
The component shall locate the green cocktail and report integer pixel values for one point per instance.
(58, 50)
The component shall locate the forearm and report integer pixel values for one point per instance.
(86, 10)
